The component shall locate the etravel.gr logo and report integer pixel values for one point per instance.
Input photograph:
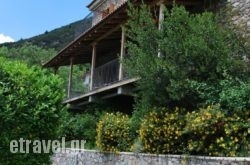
(44, 146)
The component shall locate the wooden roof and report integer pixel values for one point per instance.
(81, 48)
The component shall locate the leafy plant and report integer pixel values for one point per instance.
(161, 131)
(30, 108)
(212, 132)
(82, 126)
(188, 48)
(113, 132)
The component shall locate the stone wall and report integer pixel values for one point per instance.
(98, 16)
(241, 14)
(242, 7)
(90, 157)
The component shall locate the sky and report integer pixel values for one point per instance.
(21, 19)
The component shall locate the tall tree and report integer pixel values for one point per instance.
(187, 51)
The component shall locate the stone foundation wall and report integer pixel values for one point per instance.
(90, 157)
(242, 8)
(239, 13)
(98, 14)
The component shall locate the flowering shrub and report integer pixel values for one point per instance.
(161, 131)
(236, 141)
(212, 132)
(113, 132)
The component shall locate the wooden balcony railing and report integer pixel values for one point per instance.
(106, 74)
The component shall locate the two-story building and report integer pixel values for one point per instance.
(102, 46)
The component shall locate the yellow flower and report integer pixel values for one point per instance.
(223, 145)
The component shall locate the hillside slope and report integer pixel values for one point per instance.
(57, 38)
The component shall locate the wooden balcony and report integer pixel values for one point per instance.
(107, 82)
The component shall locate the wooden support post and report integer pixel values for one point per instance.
(122, 53)
(161, 19)
(92, 67)
(124, 90)
(93, 98)
(70, 77)
(161, 16)
(55, 70)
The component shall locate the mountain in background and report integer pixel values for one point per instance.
(57, 38)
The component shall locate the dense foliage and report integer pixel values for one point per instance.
(190, 61)
(30, 108)
(31, 54)
(188, 49)
(41, 94)
(161, 131)
(207, 131)
(113, 132)
(212, 132)
(82, 125)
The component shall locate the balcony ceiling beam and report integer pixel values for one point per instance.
(107, 34)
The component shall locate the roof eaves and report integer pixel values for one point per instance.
(79, 38)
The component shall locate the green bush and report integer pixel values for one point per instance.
(30, 108)
(212, 132)
(235, 95)
(82, 126)
(140, 111)
(232, 93)
(161, 131)
(113, 132)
